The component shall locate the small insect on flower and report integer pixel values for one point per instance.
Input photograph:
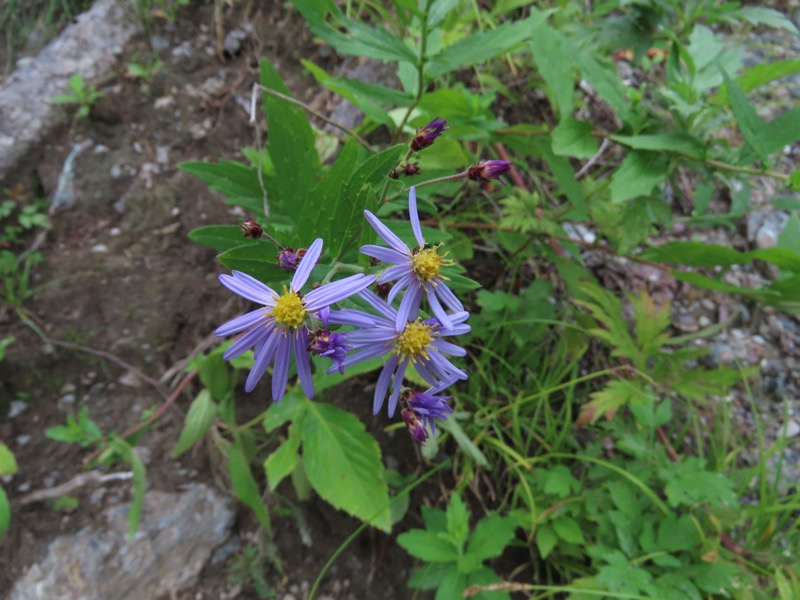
(418, 271)
(281, 327)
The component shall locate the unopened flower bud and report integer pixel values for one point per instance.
(486, 170)
(288, 258)
(251, 229)
(427, 135)
(415, 426)
(382, 290)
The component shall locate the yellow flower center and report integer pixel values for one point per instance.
(289, 310)
(427, 263)
(414, 341)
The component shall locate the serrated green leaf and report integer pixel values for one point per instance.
(358, 194)
(490, 537)
(199, 418)
(257, 259)
(574, 138)
(8, 464)
(638, 174)
(484, 45)
(750, 124)
(283, 461)
(546, 539)
(457, 520)
(343, 464)
(766, 16)
(678, 143)
(291, 408)
(243, 482)
(427, 546)
(219, 237)
(555, 64)
(5, 512)
(291, 146)
(559, 481)
(237, 182)
(568, 530)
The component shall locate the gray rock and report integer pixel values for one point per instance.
(87, 47)
(176, 537)
(764, 227)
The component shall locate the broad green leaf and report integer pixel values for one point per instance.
(698, 254)
(291, 408)
(750, 124)
(484, 45)
(764, 73)
(358, 194)
(555, 64)
(606, 83)
(343, 464)
(622, 576)
(282, 461)
(789, 238)
(5, 512)
(199, 418)
(678, 143)
(675, 587)
(638, 174)
(429, 576)
(559, 481)
(323, 381)
(689, 483)
(243, 482)
(257, 259)
(568, 530)
(291, 146)
(485, 577)
(490, 537)
(439, 10)
(427, 546)
(766, 16)
(237, 182)
(574, 138)
(219, 237)
(8, 464)
(315, 219)
(452, 586)
(457, 520)
(215, 374)
(546, 539)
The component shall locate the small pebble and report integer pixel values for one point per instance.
(16, 408)
(67, 399)
(23, 439)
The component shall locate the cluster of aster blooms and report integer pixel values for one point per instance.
(292, 324)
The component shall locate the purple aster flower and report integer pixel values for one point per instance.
(486, 170)
(426, 407)
(425, 136)
(419, 343)
(280, 327)
(417, 271)
(288, 258)
(332, 345)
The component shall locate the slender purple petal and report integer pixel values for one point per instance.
(397, 384)
(241, 323)
(306, 265)
(337, 291)
(448, 348)
(412, 209)
(373, 335)
(280, 372)
(349, 316)
(379, 304)
(387, 255)
(425, 372)
(395, 272)
(441, 386)
(437, 309)
(253, 337)
(263, 357)
(249, 288)
(459, 317)
(383, 383)
(448, 297)
(303, 360)
(354, 359)
(386, 234)
(445, 367)
(401, 284)
(409, 307)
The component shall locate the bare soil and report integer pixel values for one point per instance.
(120, 276)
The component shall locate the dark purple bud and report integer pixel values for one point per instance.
(251, 229)
(415, 427)
(330, 345)
(428, 407)
(486, 170)
(427, 135)
(382, 290)
(410, 169)
(288, 258)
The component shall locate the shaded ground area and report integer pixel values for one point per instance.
(121, 276)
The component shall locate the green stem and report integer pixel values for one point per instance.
(423, 47)
(455, 177)
(746, 170)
